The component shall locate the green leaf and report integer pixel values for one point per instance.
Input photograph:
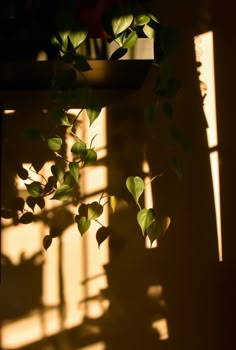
(47, 241)
(153, 18)
(135, 185)
(27, 218)
(120, 39)
(102, 234)
(121, 23)
(113, 203)
(50, 185)
(130, 40)
(145, 217)
(90, 157)
(69, 179)
(154, 231)
(81, 64)
(83, 224)
(79, 148)
(54, 143)
(34, 189)
(83, 210)
(93, 112)
(58, 172)
(94, 210)
(118, 53)
(60, 117)
(62, 193)
(140, 20)
(77, 38)
(149, 31)
(74, 170)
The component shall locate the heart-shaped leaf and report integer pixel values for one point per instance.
(94, 210)
(90, 157)
(54, 143)
(34, 189)
(79, 148)
(145, 217)
(154, 231)
(83, 224)
(135, 185)
(141, 19)
(83, 210)
(62, 193)
(102, 234)
(78, 37)
(130, 40)
(121, 23)
(149, 31)
(58, 172)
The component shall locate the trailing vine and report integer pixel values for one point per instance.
(123, 26)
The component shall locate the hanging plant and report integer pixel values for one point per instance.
(114, 21)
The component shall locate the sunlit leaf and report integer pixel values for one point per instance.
(130, 40)
(145, 217)
(153, 18)
(62, 193)
(34, 189)
(135, 185)
(113, 203)
(78, 37)
(121, 23)
(141, 19)
(74, 170)
(149, 31)
(54, 143)
(83, 224)
(79, 148)
(47, 241)
(58, 172)
(93, 112)
(102, 234)
(90, 157)
(27, 218)
(94, 210)
(154, 231)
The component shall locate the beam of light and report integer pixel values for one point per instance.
(205, 55)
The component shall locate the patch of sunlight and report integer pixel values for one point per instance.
(82, 260)
(205, 55)
(97, 346)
